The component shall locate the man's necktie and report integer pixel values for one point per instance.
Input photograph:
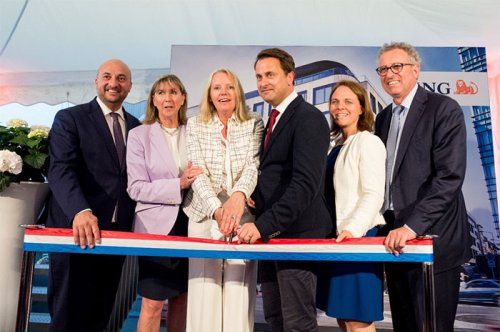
(272, 119)
(118, 134)
(392, 140)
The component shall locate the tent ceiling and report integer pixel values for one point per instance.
(74, 36)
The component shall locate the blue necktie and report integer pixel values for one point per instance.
(392, 139)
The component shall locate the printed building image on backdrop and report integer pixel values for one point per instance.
(458, 72)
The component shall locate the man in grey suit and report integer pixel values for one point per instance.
(88, 179)
(425, 136)
(289, 194)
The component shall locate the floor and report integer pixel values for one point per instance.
(469, 319)
(327, 324)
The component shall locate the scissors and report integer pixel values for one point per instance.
(230, 237)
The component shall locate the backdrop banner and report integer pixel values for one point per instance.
(458, 72)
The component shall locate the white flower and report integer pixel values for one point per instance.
(10, 162)
(17, 123)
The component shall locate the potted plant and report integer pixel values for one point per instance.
(23, 153)
(23, 171)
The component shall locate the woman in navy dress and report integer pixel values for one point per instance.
(355, 184)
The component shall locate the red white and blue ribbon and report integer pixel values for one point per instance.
(135, 244)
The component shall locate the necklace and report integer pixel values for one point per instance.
(170, 131)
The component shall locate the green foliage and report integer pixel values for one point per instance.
(31, 144)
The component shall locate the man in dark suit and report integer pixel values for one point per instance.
(289, 195)
(427, 141)
(88, 179)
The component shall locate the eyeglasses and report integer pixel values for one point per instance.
(396, 68)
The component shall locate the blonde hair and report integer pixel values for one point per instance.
(207, 108)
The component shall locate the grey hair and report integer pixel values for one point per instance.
(409, 49)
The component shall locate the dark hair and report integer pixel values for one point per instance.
(285, 59)
(366, 119)
(151, 110)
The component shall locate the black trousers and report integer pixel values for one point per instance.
(289, 295)
(82, 290)
(405, 284)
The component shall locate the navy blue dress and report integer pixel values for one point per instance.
(348, 290)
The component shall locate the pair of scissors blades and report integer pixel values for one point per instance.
(230, 237)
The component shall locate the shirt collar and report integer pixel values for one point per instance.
(287, 101)
(105, 109)
(232, 119)
(408, 99)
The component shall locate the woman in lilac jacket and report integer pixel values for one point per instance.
(158, 174)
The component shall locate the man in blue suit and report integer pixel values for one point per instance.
(88, 179)
(289, 195)
(425, 136)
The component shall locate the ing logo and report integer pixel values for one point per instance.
(463, 89)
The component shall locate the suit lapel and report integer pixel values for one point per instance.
(97, 118)
(280, 126)
(415, 112)
(159, 147)
(129, 124)
(384, 118)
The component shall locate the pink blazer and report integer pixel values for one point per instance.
(153, 180)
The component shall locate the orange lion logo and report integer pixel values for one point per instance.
(463, 89)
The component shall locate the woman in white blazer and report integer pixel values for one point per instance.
(352, 291)
(223, 140)
(158, 173)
